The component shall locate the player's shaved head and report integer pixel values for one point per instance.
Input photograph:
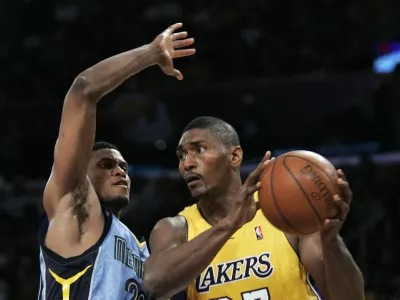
(218, 127)
(104, 145)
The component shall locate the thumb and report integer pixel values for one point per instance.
(176, 73)
(329, 224)
(258, 205)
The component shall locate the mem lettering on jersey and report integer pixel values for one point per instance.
(258, 266)
(125, 255)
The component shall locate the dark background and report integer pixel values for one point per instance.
(287, 74)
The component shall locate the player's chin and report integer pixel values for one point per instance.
(121, 195)
(114, 201)
(197, 192)
(119, 191)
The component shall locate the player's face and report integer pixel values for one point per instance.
(108, 172)
(203, 161)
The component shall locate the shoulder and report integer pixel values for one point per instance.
(177, 224)
(168, 232)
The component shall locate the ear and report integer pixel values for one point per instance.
(236, 156)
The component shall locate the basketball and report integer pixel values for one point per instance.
(297, 190)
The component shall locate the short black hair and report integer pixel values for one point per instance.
(220, 128)
(104, 145)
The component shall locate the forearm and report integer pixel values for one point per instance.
(78, 122)
(108, 74)
(170, 272)
(343, 277)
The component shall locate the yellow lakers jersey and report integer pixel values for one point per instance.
(257, 262)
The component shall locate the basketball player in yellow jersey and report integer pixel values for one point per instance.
(224, 248)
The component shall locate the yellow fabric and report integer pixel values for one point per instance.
(256, 263)
(66, 283)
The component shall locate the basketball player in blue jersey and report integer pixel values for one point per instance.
(85, 251)
(224, 248)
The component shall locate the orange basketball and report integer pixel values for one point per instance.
(297, 191)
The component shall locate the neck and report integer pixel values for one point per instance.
(216, 206)
(115, 204)
(116, 213)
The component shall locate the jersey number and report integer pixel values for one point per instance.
(132, 286)
(261, 294)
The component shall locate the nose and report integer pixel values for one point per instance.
(118, 171)
(190, 162)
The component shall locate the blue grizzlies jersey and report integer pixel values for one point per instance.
(111, 269)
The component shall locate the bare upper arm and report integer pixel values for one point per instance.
(73, 147)
(168, 233)
(310, 251)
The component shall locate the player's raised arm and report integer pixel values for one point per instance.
(78, 122)
(175, 262)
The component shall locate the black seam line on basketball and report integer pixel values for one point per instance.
(322, 170)
(318, 167)
(276, 203)
(304, 192)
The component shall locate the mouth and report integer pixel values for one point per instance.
(121, 182)
(192, 179)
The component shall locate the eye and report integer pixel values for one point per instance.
(201, 149)
(106, 165)
(181, 156)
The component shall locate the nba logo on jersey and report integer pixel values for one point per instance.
(259, 233)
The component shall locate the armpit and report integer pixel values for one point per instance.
(80, 195)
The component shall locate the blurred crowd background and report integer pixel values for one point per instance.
(286, 74)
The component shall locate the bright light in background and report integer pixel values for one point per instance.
(388, 56)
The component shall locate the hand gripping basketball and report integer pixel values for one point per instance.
(244, 206)
(331, 227)
(253, 183)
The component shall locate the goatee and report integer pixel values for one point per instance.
(116, 203)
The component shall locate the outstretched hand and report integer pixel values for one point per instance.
(331, 227)
(168, 44)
